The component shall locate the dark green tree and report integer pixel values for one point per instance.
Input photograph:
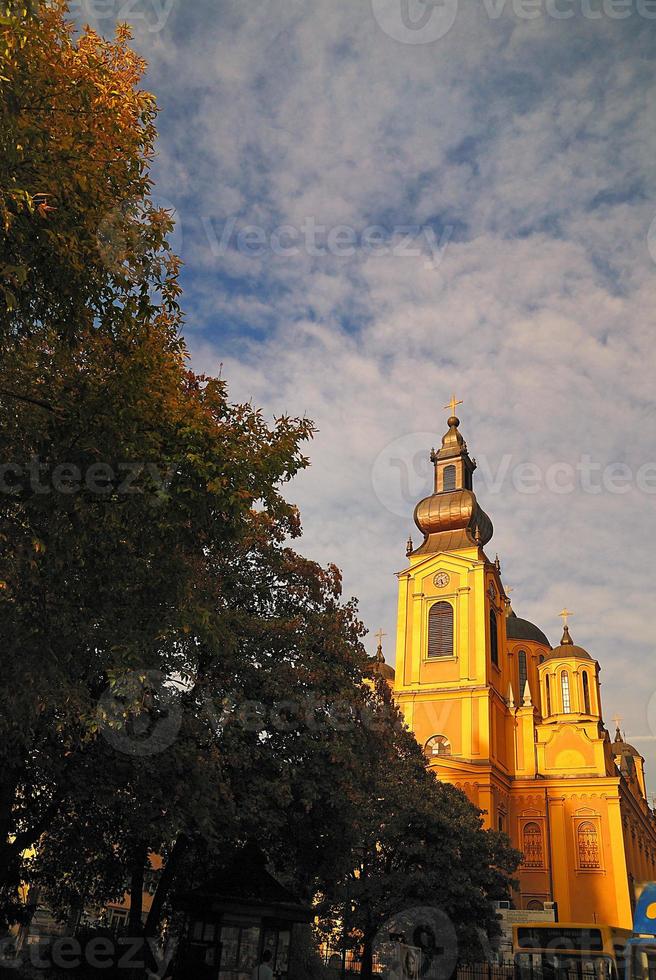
(421, 843)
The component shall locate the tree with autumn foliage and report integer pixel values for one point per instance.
(175, 678)
(146, 580)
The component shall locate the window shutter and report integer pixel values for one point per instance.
(440, 630)
(449, 478)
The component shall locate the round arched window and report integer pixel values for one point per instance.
(437, 745)
(586, 693)
(588, 846)
(532, 845)
(449, 478)
(564, 684)
(494, 638)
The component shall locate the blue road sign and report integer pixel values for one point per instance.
(644, 920)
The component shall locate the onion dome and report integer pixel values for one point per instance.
(568, 649)
(451, 518)
(522, 629)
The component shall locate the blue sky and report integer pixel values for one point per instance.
(504, 153)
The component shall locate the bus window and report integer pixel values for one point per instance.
(643, 963)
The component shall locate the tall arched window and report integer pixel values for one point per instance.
(494, 638)
(532, 845)
(523, 671)
(564, 684)
(437, 745)
(548, 690)
(586, 693)
(588, 846)
(449, 478)
(440, 630)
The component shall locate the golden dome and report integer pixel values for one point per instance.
(453, 511)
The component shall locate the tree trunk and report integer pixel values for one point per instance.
(135, 925)
(164, 885)
(367, 970)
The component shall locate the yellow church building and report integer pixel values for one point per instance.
(514, 723)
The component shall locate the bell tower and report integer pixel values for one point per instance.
(450, 518)
(452, 671)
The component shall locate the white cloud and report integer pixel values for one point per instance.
(533, 142)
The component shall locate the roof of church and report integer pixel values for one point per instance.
(522, 629)
(378, 665)
(568, 649)
(620, 747)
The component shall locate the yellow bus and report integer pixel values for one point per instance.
(569, 951)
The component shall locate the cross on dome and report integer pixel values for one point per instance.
(453, 404)
(566, 638)
(565, 614)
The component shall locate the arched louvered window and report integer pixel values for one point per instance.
(588, 846)
(564, 684)
(548, 689)
(523, 671)
(440, 630)
(532, 845)
(494, 638)
(586, 693)
(437, 745)
(449, 478)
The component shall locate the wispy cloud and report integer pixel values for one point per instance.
(525, 145)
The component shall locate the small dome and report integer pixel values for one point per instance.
(568, 651)
(383, 670)
(620, 747)
(522, 629)
(378, 666)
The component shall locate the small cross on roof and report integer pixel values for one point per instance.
(565, 614)
(453, 404)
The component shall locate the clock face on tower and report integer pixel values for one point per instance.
(442, 579)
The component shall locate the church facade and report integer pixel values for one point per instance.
(514, 723)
